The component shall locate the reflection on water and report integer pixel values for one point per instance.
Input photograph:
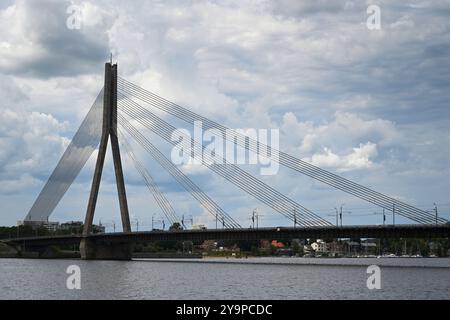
(257, 278)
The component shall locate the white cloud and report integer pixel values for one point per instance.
(359, 158)
(36, 41)
(18, 184)
(342, 133)
(31, 143)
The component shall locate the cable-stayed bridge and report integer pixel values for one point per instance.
(117, 114)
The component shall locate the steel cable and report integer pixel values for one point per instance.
(83, 144)
(298, 165)
(231, 172)
(189, 185)
(159, 197)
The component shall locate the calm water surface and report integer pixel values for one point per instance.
(253, 278)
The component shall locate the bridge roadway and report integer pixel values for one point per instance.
(279, 233)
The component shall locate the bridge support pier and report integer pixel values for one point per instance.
(109, 129)
(91, 249)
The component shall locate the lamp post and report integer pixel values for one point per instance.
(393, 214)
(295, 218)
(216, 219)
(436, 212)
(253, 218)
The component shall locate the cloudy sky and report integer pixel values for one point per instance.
(371, 105)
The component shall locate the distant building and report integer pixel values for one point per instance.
(72, 226)
(53, 226)
(368, 245)
(319, 246)
(336, 247)
(208, 245)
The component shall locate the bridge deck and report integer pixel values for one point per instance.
(399, 231)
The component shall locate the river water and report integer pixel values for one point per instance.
(253, 278)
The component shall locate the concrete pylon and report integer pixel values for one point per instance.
(89, 249)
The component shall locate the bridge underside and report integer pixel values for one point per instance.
(105, 249)
(117, 246)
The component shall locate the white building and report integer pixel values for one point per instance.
(38, 224)
(319, 246)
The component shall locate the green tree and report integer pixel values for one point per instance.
(175, 226)
(298, 249)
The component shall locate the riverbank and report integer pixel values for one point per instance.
(299, 261)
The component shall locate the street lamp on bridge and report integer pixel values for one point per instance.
(339, 214)
(190, 219)
(255, 217)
